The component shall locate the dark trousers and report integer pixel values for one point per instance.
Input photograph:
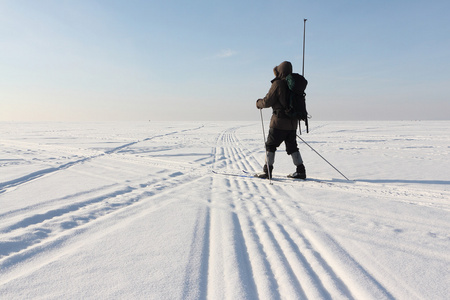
(277, 136)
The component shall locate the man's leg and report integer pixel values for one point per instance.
(292, 149)
(274, 140)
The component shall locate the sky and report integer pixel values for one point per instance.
(91, 60)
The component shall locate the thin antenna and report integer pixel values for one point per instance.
(304, 31)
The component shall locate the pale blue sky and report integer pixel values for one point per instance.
(210, 60)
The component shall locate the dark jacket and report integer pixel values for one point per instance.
(276, 98)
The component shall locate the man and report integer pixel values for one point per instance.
(282, 128)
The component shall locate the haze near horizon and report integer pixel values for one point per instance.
(210, 60)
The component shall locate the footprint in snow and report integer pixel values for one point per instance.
(176, 174)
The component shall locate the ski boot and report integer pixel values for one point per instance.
(265, 174)
(300, 173)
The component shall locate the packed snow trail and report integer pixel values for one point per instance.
(147, 211)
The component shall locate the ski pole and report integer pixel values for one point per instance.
(322, 157)
(267, 153)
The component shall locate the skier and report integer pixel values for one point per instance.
(282, 128)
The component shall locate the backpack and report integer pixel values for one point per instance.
(296, 102)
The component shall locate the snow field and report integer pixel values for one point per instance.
(133, 210)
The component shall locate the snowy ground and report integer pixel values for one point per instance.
(135, 211)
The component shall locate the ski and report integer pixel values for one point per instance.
(285, 179)
(245, 175)
(290, 179)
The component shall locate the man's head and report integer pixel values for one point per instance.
(283, 70)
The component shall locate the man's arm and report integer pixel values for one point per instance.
(271, 97)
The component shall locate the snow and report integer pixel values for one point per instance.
(134, 211)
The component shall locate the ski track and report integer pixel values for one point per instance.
(30, 233)
(291, 266)
(238, 250)
(5, 186)
(42, 228)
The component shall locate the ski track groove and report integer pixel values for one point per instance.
(269, 244)
(264, 238)
(229, 266)
(358, 186)
(394, 193)
(34, 232)
(352, 271)
(45, 228)
(13, 264)
(266, 286)
(309, 258)
(291, 257)
(14, 183)
(276, 256)
(196, 284)
(25, 209)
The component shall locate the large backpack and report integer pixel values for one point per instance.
(296, 104)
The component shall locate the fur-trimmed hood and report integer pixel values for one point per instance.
(282, 70)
